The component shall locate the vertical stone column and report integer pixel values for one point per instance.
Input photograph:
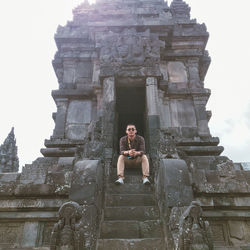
(153, 119)
(152, 96)
(98, 93)
(194, 77)
(30, 232)
(69, 69)
(108, 112)
(62, 106)
(201, 115)
(108, 119)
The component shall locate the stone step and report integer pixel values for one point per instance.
(131, 229)
(140, 213)
(129, 188)
(128, 171)
(129, 200)
(134, 179)
(130, 244)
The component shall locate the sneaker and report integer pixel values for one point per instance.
(146, 181)
(119, 181)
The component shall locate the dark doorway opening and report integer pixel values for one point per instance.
(130, 108)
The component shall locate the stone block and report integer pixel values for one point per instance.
(83, 194)
(76, 131)
(182, 113)
(174, 183)
(87, 181)
(205, 201)
(66, 162)
(189, 132)
(69, 75)
(175, 196)
(136, 244)
(204, 162)
(236, 229)
(83, 70)
(199, 177)
(87, 171)
(34, 174)
(58, 178)
(79, 112)
(31, 204)
(224, 201)
(240, 176)
(30, 233)
(131, 213)
(120, 229)
(130, 200)
(153, 122)
(151, 229)
(177, 72)
(11, 234)
(7, 189)
(212, 177)
(9, 177)
(34, 190)
(128, 189)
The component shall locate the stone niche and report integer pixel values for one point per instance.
(182, 113)
(79, 117)
(177, 113)
(69, 74)
(83, 73)
(177, 74)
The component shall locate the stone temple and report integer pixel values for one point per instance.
(122, 61)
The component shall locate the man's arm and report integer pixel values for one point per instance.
(123, 146)
(141, 147)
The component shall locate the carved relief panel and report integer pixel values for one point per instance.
(11, 234)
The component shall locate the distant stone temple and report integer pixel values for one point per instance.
(118, 62)
(9, 161)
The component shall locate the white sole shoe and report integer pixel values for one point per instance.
(119, 181)
(146, 181)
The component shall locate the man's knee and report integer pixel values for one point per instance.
(144, 158)
(121, 158)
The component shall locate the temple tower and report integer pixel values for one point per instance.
(117, 62)
(9, 161)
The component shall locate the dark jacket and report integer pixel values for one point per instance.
(138, 144)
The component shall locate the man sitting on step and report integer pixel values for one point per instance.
(132, 154)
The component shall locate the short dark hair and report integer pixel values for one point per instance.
(130, 124)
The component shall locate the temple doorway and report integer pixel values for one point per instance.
(130, 108)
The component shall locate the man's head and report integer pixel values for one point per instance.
(131, 130)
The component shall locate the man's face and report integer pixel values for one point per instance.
(131, 130)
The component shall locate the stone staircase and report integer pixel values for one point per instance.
(131, 217)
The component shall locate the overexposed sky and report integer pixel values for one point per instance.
(27, 77)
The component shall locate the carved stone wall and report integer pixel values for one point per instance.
(128, 43)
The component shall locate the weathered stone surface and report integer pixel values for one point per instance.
(130, 213)
(30, 234)
(68, 231)
(173, 183)
(177, 74)
(147, 244)
(190, 230)
(154, 54)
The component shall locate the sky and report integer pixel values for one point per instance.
(27, 77)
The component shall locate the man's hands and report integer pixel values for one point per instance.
(133, 153)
